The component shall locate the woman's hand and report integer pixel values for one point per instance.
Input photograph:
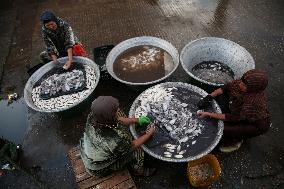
(54, 58)
(142, 139)
(151, 129)
(203, 114)
(211, 115)
(67, 64)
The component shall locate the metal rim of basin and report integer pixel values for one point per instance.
(138, 41)
(203, 94)
(41, 71)
(227, 44)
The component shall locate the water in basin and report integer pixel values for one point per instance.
(142, 64)
(214, 72)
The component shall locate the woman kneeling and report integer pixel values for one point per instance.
(107, 145)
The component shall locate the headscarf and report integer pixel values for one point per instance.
(47, 16)
(256, 80)
(252, 104)
(103, 110)
(255, 101)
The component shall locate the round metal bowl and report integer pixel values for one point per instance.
(138, 41)
(236, 57)
(205, 142)
(47, 67)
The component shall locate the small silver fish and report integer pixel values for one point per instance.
(179, 156)
(178, 148)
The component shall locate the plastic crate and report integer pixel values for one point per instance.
(213, 163)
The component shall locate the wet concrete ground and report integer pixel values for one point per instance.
(256, 25)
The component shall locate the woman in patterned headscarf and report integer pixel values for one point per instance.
(245, 112)
(107, 145)
(59, 39)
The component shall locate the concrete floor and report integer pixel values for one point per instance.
(256, 25)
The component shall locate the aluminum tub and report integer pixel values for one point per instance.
(47, 67)
(138, 41)
(222, 50)
(206, 141)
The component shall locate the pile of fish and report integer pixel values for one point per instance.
(146, 57)
(201, 172)
(214, 72)
(172, 114)
(173, 149)
(57, 84)
(65, 101)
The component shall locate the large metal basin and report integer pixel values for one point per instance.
(138, 41)
(236, 57)
(47, 67)
(205, 142)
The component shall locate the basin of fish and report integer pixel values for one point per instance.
(180, 133)
(60, 89)
(213, 71)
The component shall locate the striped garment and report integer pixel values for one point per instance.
(251, 105)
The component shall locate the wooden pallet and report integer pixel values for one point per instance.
(118, 180)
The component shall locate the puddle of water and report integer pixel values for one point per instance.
(13, 120)
(143, 64)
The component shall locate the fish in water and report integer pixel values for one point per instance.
(174, 115)
(178, 156)
(65, 82)
(171, 150)
(182, 152)
(65, 101)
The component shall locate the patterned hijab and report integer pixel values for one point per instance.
(252, 104)
(103, 110)
(256, 80)
(255, 101)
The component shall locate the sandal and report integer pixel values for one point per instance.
(145, 172)
(230, 148)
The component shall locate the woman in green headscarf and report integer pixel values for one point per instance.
(107, 145)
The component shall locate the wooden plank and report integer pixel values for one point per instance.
(93, 181)
(72, 150)
(82, 176)
(108, 181)
(79, 168)
(128, 184)
(75, 155)
(117, 179)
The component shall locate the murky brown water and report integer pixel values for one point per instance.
(214, 72)
(143, 64)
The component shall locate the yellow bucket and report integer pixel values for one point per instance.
(212, 161)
